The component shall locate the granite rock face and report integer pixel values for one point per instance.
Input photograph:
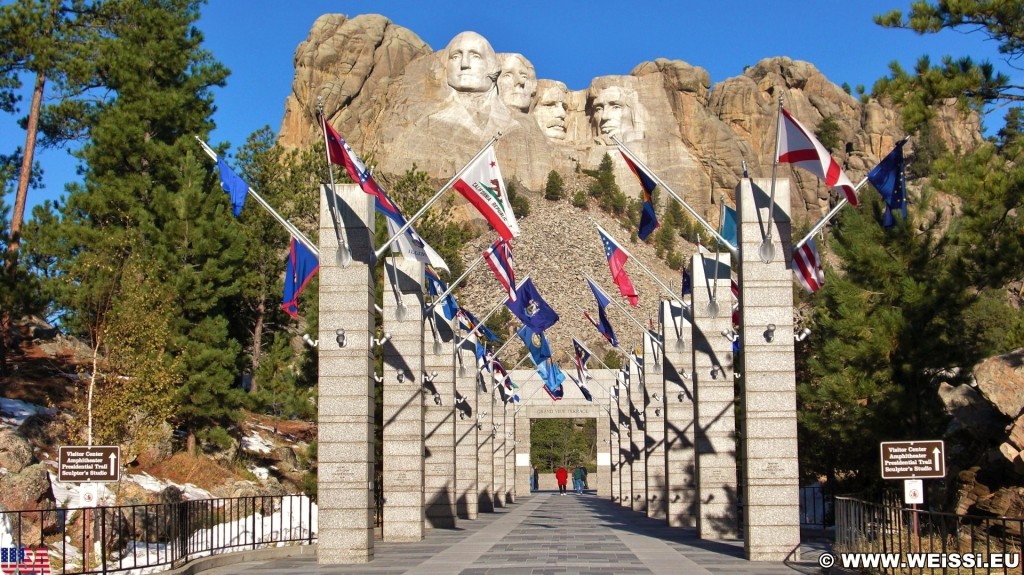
(396, 99)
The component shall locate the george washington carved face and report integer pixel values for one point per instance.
(471, 64)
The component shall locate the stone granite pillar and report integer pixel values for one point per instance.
(403, 465)
(498, 444)
(510, 454)
(466, 432)
(680, 459)
(614, 432)
(625, 449)
(485, 445)
(638, 437)
(771, 511)
(345, 405)
(714, 397)
(524, 471)
(440, 417)
(654, 423)
(602, 386)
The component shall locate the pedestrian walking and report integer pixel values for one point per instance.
(578, 475)
(534, 477)
(562, 476)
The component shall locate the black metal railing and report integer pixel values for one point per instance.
(921, 541)
(111, 539)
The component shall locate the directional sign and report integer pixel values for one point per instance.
(101, 464)
(913, 459)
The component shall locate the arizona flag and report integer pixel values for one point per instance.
(499, 257)
(302, 266)
(799, 147)
(648, 219)
(807, 267)
(617, 259)
(482, 185)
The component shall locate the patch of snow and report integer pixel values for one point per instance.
(255, 443)
(14, 412)
(154, 485)
(68, 493)
(261, 472)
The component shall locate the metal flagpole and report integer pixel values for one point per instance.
(458, 341)
(622, 309)
(430, 202)
(766, 250)
(294, 231)
(657, 180)
(615, 347)
(831, 214)
(451, 286)
(343, 255)
(642, 266)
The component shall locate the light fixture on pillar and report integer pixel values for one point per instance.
(378, 378)
(437, 399)
(681, 396)
(382, 340)
(716, 370)
(769, 333)
(401, 377)
(429, 378)
(310, 341)
(339, 336)
(802, 334)
(655, 397)
(657, 412)
(730, 334)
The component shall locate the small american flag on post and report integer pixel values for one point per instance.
(24, 560)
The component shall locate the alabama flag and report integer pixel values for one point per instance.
(482, 185)
(799, 147)
(807, 267)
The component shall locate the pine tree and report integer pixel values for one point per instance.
(146, 194)
(554, 188)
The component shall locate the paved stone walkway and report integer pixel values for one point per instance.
(550, 534)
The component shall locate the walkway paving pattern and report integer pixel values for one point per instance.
(548, 534)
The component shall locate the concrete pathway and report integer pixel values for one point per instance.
(550, 534)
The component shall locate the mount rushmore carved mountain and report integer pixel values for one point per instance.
(403, 103)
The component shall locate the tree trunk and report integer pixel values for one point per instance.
(257, 343)
(26, 172)
(190, 443)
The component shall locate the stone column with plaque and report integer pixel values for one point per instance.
(440, 421)
(680, 466)
(771, 492)
(403, 409)
(714, 397)
(654, 424)
(346, 384)
(467, 443)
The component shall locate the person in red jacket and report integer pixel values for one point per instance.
(562, 476)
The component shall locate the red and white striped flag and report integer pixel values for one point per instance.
(807, 267)
(799, 147)
(25, 560)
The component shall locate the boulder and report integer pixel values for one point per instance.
(26, 490)
(971, 412)
(15, 451)
(1001, 381)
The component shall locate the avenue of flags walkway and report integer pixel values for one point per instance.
(547, 534)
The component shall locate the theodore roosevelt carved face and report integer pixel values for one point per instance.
(471, 63)
(517, 82)
(551, 111)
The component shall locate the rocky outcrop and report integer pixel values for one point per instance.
(400, 102)
(15, 451)
(987, 420)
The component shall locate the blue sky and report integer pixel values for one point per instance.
(567, 40)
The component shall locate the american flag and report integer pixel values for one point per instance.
(24, 560)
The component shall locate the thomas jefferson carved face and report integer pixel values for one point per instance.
(551, 111)
(517, 82)
(471, 64)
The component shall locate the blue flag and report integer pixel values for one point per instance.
(531, 309)
(234, 186)
(468, 321)
(603, 325)
(648, 219)
(728, 230)
(889, 179)
(553, 379)
(435, 287)
(302, 266)
(536, 344)
(687, 283)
